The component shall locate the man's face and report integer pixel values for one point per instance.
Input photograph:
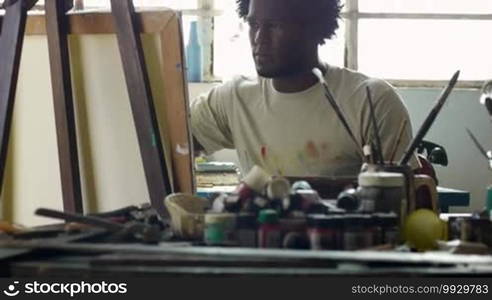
(281, 41)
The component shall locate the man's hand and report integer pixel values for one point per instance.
(197, 147)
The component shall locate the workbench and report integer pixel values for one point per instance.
(33, 258)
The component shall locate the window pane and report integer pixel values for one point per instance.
(176, 4)
(426, 6)
(232, 52)
(425, 49)
(332, 51)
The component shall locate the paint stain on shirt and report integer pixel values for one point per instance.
(263, 152)
(312, 150)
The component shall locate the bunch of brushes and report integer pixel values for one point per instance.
(372, 152)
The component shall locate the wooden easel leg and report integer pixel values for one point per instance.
(11, 40)
(56, 28)
(142, 104)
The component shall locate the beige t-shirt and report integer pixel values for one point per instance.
(298, 134)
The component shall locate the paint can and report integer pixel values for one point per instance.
(294, 233)
(386, 229)
(325, 232)
(381, 192)
(269, 231)
(220, 229)
(358, 232)
(246, 230)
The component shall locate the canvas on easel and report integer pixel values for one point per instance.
(111, 169)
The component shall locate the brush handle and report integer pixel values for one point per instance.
(430, 119)
(70, 217)
(375, 127)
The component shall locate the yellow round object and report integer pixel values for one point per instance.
(423, 229)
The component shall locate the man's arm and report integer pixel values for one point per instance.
(209, 120)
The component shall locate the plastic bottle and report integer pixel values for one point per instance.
(194, 55)
(269, 232)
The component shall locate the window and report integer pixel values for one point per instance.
(411, 43)
(423, 39)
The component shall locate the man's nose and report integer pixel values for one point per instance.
(262, 34)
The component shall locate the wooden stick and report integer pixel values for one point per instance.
(11, 40)
(336, 108)
(477, 144)
(430, 119)
(398, 141)
(56, 28)
(375, 127)
(144, 115)
(79, 218)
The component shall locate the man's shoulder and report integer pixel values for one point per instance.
(351, 80)
(240, 86)
(240, 82)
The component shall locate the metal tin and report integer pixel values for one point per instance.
(358, 232)
(325, 232)
(386, 228)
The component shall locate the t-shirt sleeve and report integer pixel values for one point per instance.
(209, 120)
(391, 114)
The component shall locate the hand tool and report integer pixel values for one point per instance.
(375, 127)
(317, 72)
(430, 119)
(135, 230)
(487, 155)
(398, 141)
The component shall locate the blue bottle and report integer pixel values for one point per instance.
(194, 55)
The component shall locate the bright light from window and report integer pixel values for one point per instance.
(425, 49)
(426, 6)
(332, 52)
(176, 4)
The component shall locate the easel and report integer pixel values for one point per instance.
(137, 82)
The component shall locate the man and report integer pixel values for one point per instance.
(281, 120)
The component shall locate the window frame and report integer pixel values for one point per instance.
(206, 12)
(352, 15)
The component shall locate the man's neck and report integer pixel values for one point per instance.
(298, 82)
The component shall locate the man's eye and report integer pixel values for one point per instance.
(253, 24)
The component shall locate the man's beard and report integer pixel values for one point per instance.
(280, 71)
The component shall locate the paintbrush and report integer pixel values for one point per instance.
(477, 143)
(375, 127)
(430, 119)
(398, 141)
(317, 72)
